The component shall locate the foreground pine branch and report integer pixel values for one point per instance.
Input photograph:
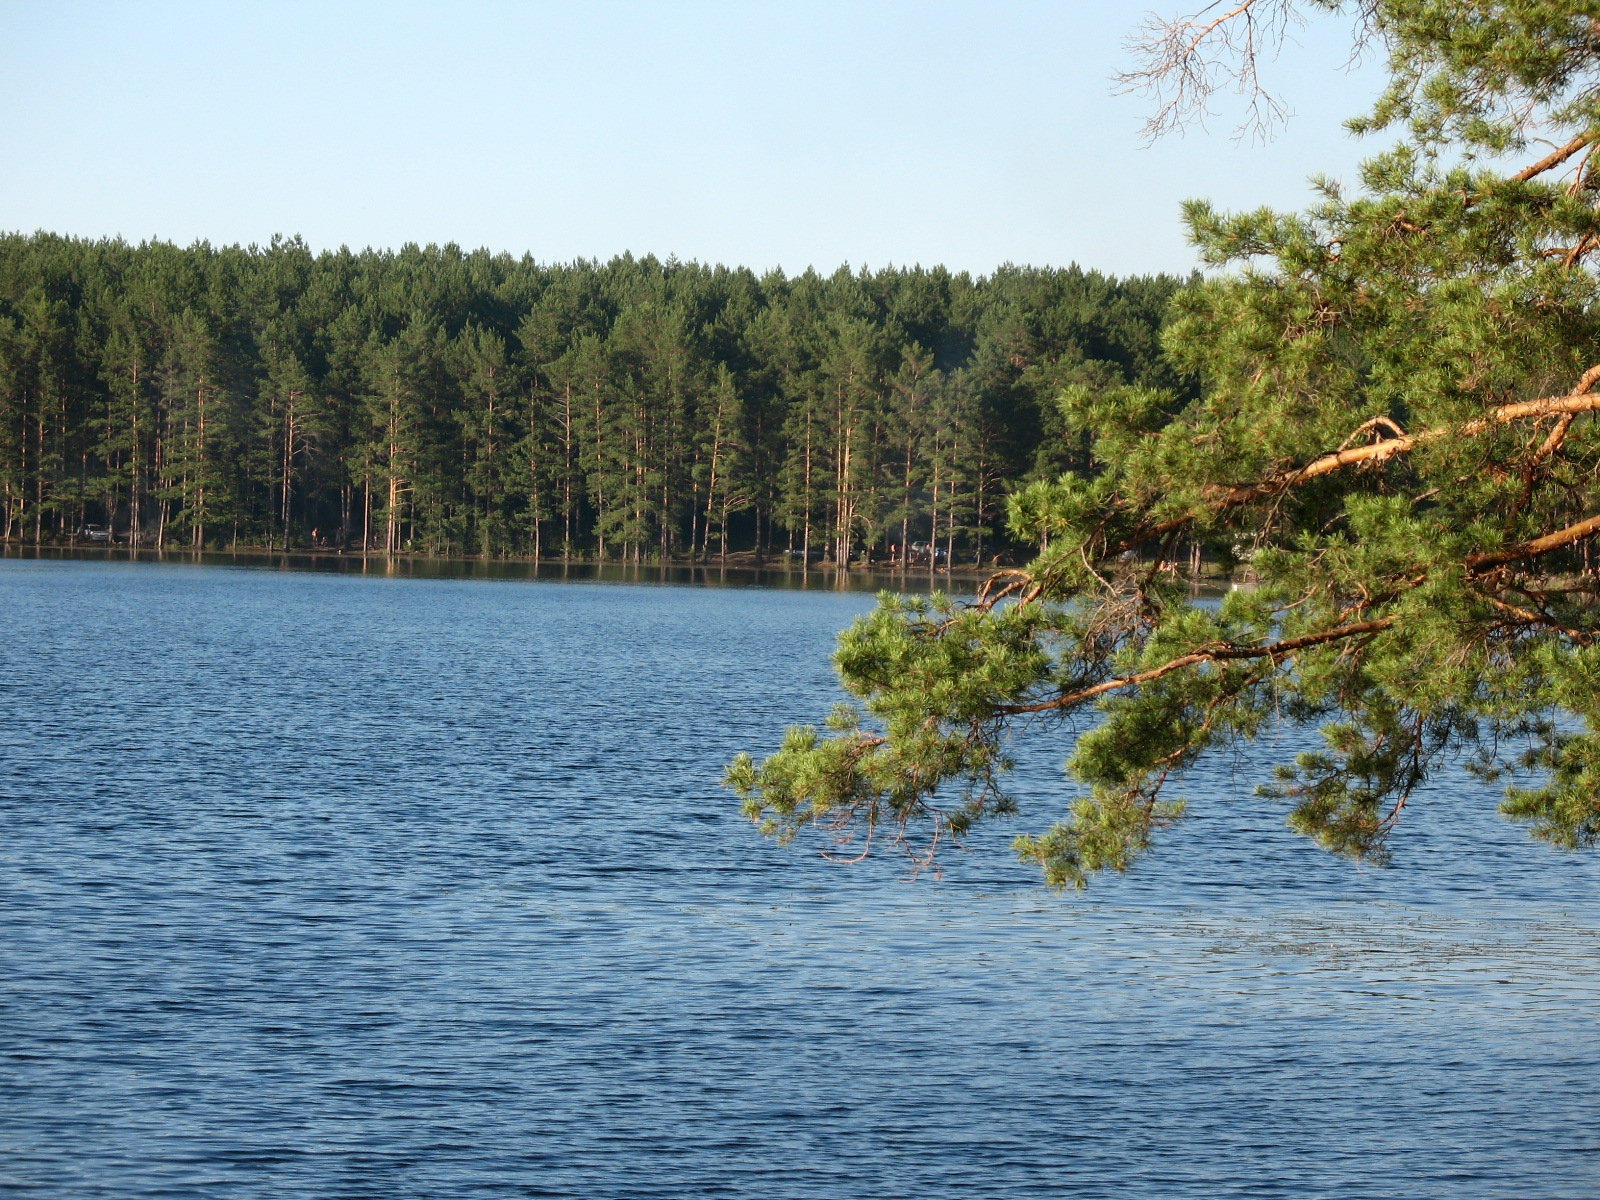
(1397, 443)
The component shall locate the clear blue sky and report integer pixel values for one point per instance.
(767, 134)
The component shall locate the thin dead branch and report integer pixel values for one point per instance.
(1182, 62)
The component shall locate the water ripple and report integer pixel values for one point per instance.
(323, 886)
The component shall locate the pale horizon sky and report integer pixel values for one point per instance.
(761, 135)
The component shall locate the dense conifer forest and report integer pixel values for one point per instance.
(437, 401)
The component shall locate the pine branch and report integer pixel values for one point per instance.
(1273, 650)
(1553, 159)
(1579, 401)
(1479, 564)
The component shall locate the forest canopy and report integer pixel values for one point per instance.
(1396, 430)
(447, 402)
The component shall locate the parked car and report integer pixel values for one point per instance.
(95, 533)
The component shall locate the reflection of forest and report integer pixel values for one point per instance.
(449, 403)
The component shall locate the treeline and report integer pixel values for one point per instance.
(449, 402)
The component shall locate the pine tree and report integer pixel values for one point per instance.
(488, 438)
(915, 385)
(850, 381)
(190, 372)
(400, 383)
(726, 461)
(288, 404)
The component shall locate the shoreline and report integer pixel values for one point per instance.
(773, 573)
(961, 581)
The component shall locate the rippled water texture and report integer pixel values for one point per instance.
(323, 886)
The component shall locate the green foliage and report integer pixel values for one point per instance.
(448, 402)
(1396, 441)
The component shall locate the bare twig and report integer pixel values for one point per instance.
(1182, 62)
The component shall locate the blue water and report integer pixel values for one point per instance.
(335, 886)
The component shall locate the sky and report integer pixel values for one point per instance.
(758, 133)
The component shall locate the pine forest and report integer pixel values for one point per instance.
(441, 402)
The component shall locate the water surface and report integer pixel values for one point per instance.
(323, 885)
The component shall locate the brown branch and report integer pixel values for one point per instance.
(1224, 653)
(1167, 760)
(1585, 244)
(1581, 174)
(1084, 554)
(1530, 469)
(988, 597)
(1478, 564)
(1368, 426)
(872, 828)
(1553, 442)
(1389, 821)
(1554, 159)
(1529, 617)
(1578, 401)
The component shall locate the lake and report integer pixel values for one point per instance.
(329, 885)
